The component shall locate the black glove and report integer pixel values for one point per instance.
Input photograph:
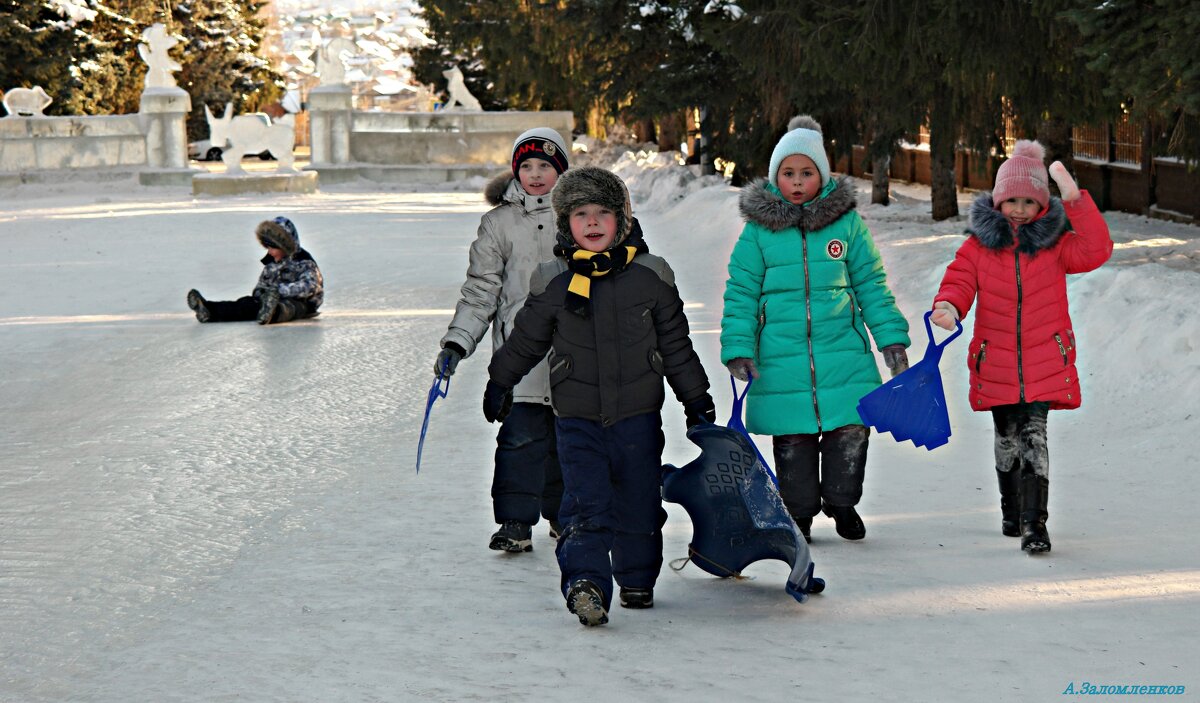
(895, 358)
(699, 411)
(742, 368)
(497, 401)
(448, 359)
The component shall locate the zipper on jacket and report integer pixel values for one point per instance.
(1061, 349)
(812, 363)
(762, 325)
(1020, 370)
(854, 321)
(980, 354)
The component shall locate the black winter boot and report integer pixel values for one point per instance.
(1010, 502)
(586, 601)
(512, 536)
(846, 520)
(805, 525)
(1035, 490)
(637, 597)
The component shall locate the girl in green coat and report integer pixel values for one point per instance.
(805, 286)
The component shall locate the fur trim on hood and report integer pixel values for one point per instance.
(991, 228)
(496, 189)
(279, 233)
(763, 206)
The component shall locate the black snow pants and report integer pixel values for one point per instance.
(829, 466)
(246, 308)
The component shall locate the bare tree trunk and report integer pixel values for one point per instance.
(1055, 135)
(942, 142)
(670, 126)
(880, 184)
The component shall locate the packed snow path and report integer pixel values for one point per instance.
(229, 512)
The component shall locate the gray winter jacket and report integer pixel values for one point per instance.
(513, 238)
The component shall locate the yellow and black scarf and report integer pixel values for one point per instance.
(587, 265)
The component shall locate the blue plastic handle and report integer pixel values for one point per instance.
(437, 390)
(735, 423)
(934, 350)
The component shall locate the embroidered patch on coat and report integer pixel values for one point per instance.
(836, 249)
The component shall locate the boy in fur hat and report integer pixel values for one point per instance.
(610, 316)
(513, 237)
(805, 286)
(290, 286)
(1022, 243)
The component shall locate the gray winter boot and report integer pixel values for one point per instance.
(197, 303)
(266, 306)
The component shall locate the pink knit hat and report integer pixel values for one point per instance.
(1023, 175)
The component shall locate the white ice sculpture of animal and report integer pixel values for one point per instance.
(459, 95)
(329, 60)
(27, 101)
(159, 64)
(252, 134)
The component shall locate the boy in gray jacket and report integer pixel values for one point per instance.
(513, 238)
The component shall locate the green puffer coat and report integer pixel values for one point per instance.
(805, 284)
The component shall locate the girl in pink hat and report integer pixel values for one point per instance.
(1022, 243)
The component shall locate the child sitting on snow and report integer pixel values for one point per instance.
(1021, 359)
(289, 288)
(610, 316)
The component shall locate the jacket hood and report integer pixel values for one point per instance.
(497, 189)
(763, 204)
(279, 233)
(506, 189)
(991, 228)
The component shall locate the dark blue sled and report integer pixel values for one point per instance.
(737, 515)
(912, 406)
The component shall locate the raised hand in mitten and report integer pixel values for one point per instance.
(447, 359)
(497, 401)
(895, 358)
(1066, 185)
(944, 315)
(742, 368)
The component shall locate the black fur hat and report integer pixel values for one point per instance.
(590, 185)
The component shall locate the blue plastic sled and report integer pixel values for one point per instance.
(737, 515)
(912, 406)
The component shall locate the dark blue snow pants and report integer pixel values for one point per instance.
(527, 481)
(612, 502)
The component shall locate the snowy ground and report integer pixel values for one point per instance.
(229, 512)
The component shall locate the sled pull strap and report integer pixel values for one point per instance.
(735, 423)
(437, 390)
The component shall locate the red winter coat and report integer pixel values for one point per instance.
(1023, 348)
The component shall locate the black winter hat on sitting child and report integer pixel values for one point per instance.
(587, 186)
(278, 233)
